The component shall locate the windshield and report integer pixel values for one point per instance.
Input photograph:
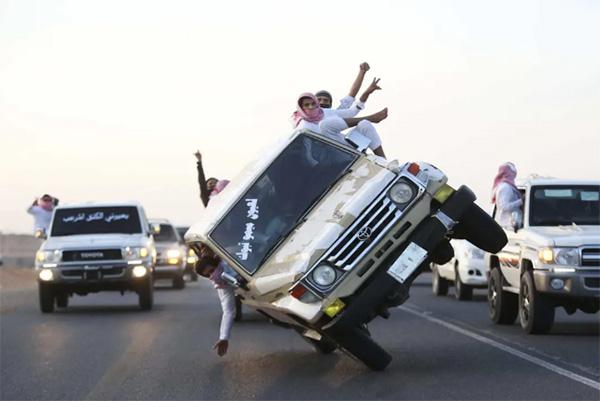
(279, 198)
(565, 205)
(96, 220)
(167, 234)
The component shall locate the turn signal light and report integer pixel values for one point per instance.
(334, 308)
(298, 291)
(414, 169)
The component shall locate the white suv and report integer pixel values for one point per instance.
(552, 257)
(467, 270)
(96, 247)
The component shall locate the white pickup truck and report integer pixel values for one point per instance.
(552, 257)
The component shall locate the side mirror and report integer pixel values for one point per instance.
(40, 233)
(358, 140)
(154, 228)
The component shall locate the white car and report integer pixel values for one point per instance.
(467, 270)
(95, 247)
(552, 257)
(171, 253)
(323, 238)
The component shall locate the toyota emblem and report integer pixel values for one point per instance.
(364, 233)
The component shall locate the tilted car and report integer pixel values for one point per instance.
(467, 270)
(171, 253)
(95, 247)
(552, 258)
(325, 238)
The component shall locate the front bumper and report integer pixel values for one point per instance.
(168, 270)
(383, 290)
(580, 284)
(94, 276)
(475, 273)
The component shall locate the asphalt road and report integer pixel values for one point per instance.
(103, 348)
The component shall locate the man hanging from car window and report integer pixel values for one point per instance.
(41, 209)
(507, 197)
(212, 267)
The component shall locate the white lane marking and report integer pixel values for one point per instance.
(530, 358)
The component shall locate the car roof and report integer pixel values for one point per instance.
(554, 181)
(159, 221)
(98, 204)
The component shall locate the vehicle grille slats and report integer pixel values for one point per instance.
(90, 255)
(378, 219)
(590, 257)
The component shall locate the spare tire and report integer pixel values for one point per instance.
(480, 229)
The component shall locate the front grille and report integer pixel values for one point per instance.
(89, 255)
(93, 274)
(590, 257)
(367, 229)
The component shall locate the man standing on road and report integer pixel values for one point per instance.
(41, 209)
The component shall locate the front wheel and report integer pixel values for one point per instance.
(462, 291)
(146, 294)
(503, 305)
(62, 300)
(324, 345)
(179, 282)
(536, 312)
(439, 285)
(46, 293)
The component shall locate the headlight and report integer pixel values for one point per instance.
(139, 271)
(46, 275)
(560, 256)
(173, 253)
(401, 193)
(134, 252)
(324, 275)
(48, 256)
(566, 256)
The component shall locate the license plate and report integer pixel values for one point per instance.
(408, 262)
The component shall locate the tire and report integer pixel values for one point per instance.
(503, 305)
(193, 275)
(238, 309)
(442, 253)
(536, 312)
(462, 291)
(360, 345)
(146, 294)
(439, 285)
(478, 227)
(323, 346)
(179, 282)
(62, 300)
(46, 293)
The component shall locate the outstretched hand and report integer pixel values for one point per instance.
(374, 85)
(221, 346)
(364, 67)
(198, 155)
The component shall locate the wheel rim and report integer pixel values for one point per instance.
(493, 294)
(525, 304)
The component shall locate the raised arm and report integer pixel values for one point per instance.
(370, 89)
(362, 70)
(204, 195)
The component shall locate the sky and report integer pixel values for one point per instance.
(108, 100)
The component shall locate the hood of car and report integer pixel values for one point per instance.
(327, 221)
(568, 236)
(95, 241)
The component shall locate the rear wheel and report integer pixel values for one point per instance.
(46, 293)
(146, 294)
(439, 285)
(478, 227)
(62, 300)
(324, 345)
(462, 291)
(503, 305)
(536, 312)
(359, 344)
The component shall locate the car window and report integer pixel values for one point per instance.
(167, 234)
(565, 205)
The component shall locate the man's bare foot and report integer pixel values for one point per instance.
(379, 116)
